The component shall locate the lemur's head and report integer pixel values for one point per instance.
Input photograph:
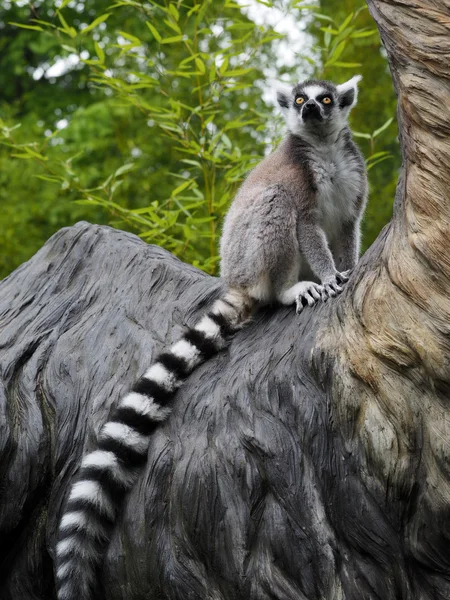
(317, 108)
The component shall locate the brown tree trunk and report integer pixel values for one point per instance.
(308, 461)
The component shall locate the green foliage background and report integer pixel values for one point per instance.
(146, 115)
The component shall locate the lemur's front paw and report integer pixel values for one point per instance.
(331, 286)
(344, 276)
(309, 294)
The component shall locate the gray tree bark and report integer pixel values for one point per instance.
(308, 461)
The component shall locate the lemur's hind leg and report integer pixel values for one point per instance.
(303, 293)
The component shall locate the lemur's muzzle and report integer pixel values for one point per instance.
(311, 110)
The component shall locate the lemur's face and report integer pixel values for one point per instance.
(314, 102)
(317, 107)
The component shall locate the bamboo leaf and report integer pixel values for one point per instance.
(155, 33)
(383, 127)
(172, 40)
(174, 12)
(363, 34)
(358, 134)
(224, 66)
(172, 25)
(99, 52)
(346, 65)
(95, 23)
(370, 164)
(131, 38)
(23, 26)
(238, 72)
(200, 65)
(124, 169)
(335, 54)
(181, 187)
(346, 22)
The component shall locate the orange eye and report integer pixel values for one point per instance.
(299, 100)
(326, 100)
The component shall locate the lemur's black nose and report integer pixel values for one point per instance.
(311, 111)
(310, 105)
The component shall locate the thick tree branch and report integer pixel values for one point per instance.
(309, 460)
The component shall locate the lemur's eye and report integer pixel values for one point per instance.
(299, 100)
(326, 100)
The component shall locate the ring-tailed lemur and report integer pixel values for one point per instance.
(292, 236)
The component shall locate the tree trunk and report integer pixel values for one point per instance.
(308, 461)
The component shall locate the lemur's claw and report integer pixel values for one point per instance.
(309, 296)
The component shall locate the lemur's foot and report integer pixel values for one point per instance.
(308, 293)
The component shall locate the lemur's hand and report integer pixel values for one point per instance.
(332, 284)
(308, 294)
(344, 276)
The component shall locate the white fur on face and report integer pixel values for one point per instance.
(312, 91)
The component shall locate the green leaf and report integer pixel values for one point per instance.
(94, 23)
(358, 134)
(346, 65)
(237, 72)
(363, 33)
(200, 65)
(173, 11)
(370, 164)
(224, 66)
(131, 38)
(346, 22)
(23, 26)
(99, 52)
(377, 155)
(155, 33)
(172, 40)
(382, 128)
(202, 11)
(124, 169)
(64, 4)
(212, 73)
(69, 30)
(46, 23)
(181, 187)
(323, 17)
(335, 54)
(172, 25)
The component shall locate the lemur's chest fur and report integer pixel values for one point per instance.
(337, 177)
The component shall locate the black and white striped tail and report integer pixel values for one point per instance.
(108, 472)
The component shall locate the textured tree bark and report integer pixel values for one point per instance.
(308, 461)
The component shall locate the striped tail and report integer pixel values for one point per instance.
(107, 473)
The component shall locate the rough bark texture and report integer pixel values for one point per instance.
(308, 461)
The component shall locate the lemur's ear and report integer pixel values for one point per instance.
(284, 96)
(348, 92)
